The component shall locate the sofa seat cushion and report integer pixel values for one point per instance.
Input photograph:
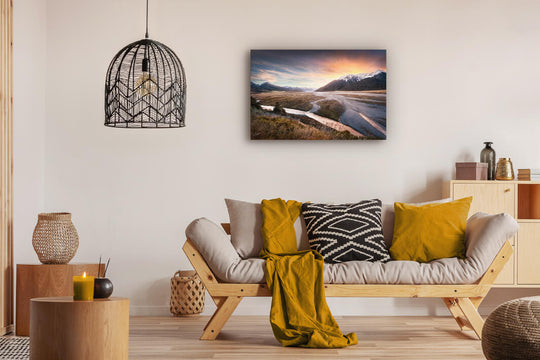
(444, 271)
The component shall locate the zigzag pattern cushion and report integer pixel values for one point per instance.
(346, 232)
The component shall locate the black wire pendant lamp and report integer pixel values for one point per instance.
(145, 87)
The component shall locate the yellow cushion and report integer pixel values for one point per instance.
(429, 232)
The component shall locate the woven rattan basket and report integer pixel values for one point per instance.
(55, 238)
(187, 293)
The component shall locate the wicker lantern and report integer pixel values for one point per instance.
(145, 86)
(187, 293)
(55, 238)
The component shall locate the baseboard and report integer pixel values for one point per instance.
(143, 310)
(246, 308)
(261, 306)
(163, 310)
(6, 329)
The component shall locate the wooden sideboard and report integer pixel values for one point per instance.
(45, 280)
(521, 199)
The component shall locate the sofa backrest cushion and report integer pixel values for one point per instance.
(387, 217)
(246, 221)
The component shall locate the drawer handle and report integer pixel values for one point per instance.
(506, 190)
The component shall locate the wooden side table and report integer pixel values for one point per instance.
(41, 280)
(61, 328)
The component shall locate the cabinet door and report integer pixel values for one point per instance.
(506, 276)
(489, 198)
(528, 251)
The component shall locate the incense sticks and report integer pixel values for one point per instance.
(106, 267)
(99, 267)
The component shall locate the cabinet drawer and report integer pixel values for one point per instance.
(528, 268)
(506, 276)
(489, 198)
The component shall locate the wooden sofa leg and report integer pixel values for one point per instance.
(472, 315)
(455, 310)
(477, 301)
(224, 311)
(218, 300)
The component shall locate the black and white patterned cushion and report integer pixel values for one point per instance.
(346, 232)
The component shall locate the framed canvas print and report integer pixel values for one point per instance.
(318, 94)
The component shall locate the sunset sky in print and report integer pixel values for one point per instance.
(312, 68)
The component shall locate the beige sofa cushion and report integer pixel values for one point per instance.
(484, 237)
(246, 221)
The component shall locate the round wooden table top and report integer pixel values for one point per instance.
(69, 299)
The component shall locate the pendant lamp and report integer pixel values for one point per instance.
(145, 87)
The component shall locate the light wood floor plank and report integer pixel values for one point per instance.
(250, 337)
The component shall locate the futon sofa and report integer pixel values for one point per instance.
(461, 283)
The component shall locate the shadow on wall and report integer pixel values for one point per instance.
(499, 295)
(247, 91)
(432, 191)
(435, 307)
(431, 307)
(154, 294)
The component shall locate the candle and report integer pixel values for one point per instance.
(83, 287)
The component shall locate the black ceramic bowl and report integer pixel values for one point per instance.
(103, 288)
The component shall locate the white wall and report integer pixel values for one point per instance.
(29, 87)
(459, 73)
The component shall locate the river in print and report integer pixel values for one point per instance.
(318, 94)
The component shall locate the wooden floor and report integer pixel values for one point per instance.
(250, 337)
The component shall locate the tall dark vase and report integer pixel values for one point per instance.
(487, 155)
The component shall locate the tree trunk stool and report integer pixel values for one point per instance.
(61, 328)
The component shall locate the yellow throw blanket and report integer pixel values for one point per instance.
(299, 315)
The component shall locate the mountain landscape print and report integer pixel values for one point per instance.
(318, 94)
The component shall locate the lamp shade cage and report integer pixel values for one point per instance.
(145, 87)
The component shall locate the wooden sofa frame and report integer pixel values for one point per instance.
(461, 300)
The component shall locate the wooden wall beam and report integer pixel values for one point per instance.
(6, 166)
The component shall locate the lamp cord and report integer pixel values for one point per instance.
(146, 35)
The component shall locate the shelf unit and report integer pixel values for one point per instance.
(521, 199)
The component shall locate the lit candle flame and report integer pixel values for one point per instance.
(84, 274)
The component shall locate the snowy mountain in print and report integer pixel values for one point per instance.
(271, 87)
(358, 82)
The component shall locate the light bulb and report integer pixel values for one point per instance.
(145, 84)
